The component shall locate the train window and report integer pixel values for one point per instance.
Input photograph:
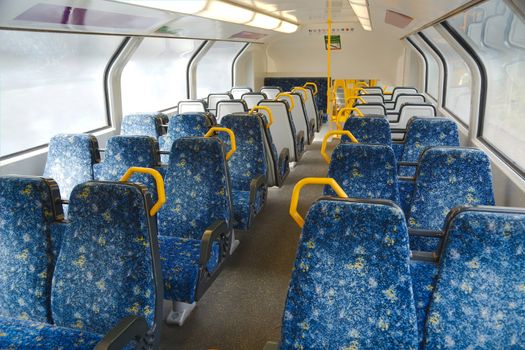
(51, 83)
(155, 76)
(498, 37)
(432, 87)
(214, 68)
(459, 77)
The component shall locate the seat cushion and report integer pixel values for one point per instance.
(18, 334)
(241, 209)
(180, 266)
(423, 281)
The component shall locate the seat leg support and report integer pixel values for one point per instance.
(180, 313)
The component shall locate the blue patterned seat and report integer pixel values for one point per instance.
(479, 298)
(70, 160)
(351, 286)
(104, 273)
(27, 210)
(424, 132)
(364, 171)
(278, 165)
(369, 129)
(124, 152)
(183, 125)
(143, 124)
(247, 167)
(198, 196)
(447, 177)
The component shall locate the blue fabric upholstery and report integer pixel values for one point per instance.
(198, 193)
(19, 334)
(364, 171)
(423, 282)
(246, 164)
(180, 266)
(104, 271)
(398, 149)
(406, 190)
(447, 177)
(423, 133)
(369, 129)
(351, 286)
(143, 124)
(26, 259)
(70, 160)
(183, 125)
(288, 83)
(479, 299)
(124, 152)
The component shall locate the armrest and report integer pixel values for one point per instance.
(211, 234)
(300, 142)
(407, 164)
(282, 165)
(425, 233)
(283, 157)
(131, 328)
(255, 184)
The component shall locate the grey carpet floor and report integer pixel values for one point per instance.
(244, 306)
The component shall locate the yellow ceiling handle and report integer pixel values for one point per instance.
(311, 181)
(342, 112)
(333, 133)
(161, 194)
(356, 97)
(386, 92)
(286, 94)
(298, 88)
(232, 138)
(362, 84)
(267, 110)
(311, 83)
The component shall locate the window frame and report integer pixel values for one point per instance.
(444, 66)
(234, 62)
(425, 61)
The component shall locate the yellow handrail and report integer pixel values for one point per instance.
(232, 138)
(267, 110)
(298, 88)
(311, 181)
(347, 109)
(161, 194)
(356, 97)
(311, 83)
(333, 133)
(361, 83)
(286, 94)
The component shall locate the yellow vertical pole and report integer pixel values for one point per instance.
(328, 67)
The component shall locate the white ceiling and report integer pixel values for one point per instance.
(309, 12)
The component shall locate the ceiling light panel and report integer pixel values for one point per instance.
(263, 21)
(362, 11)
(224, 11)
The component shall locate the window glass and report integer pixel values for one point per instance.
(498, 37)
(155, 76)
(214, 68)
(51, 83)
(459, 77)
(414, 69)
(432, 70)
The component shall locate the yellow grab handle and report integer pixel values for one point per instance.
(386, 92)
(232, 138)
(267, 110)
(311, 83)
(361, 89)
(361, 83)
(311, 181)
(286, 94)
(161, 194)
(333, 133)
(356, 98)
(298, 88)
(347, 109)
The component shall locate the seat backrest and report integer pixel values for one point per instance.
(364, 171)
(407, 112)
(198, 189)
(283, 127)
(142, 124)
(191, 106)
(369, 129)
(448, 177)
(351, 285)
(271, 91)
(272, 158)
(27, 209)
(299, 114)
(237, 92)
(478, 298)
(403, 90)
(371, 98)
(371, 109)
(183, 125)
(253, 98)
(424, 132)
(124, 152)
(371, 90)
(249, 161)
(70, 160)
(108, 267)
(403, 99)
(214, 98)
(311, 109)
(229, 107)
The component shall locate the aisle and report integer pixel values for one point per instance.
(243, 307)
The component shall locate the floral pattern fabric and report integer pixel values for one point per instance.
(369, 129)
(143, 124)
